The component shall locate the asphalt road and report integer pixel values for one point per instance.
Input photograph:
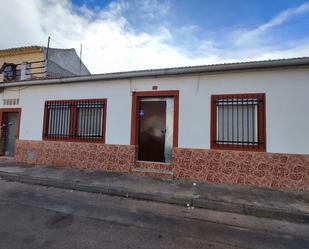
(41, 217)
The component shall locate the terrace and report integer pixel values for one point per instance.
(10, 72)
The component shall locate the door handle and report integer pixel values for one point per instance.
(163, 131)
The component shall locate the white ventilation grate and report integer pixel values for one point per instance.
(11, 102)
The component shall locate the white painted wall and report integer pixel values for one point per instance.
(287, 106)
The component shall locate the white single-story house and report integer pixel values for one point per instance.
(237, 123)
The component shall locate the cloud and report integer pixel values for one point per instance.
(253, 35)
(151, 8)
(112, 43)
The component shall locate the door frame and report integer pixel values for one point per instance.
(3, 111)
(135, 107)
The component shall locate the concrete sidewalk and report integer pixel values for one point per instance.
(292, 206)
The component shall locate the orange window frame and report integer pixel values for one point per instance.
(74, 120)
(261, 122)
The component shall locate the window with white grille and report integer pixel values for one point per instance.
(82, 120)
(238, 121)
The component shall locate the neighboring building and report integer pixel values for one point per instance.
(238, 123)
(34, 62)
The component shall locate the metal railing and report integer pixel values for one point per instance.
(239, 120)
(23, 71)
(74, 120)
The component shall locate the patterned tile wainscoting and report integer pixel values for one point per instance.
(261, 169)
(116, 158)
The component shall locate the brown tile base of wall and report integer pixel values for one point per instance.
(260, 169)
(116, 158)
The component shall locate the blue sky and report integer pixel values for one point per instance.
(212, 16)
(215, 14)
(220, 21)
(124, 35)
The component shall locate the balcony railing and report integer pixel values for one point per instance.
(11, 72)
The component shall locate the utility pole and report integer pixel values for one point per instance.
(46, 57)
(48, 41)
(80, 58)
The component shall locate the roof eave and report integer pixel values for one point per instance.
(20, 50)
(245, 66)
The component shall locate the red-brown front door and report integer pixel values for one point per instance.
(152, 130)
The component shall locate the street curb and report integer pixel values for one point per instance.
(263, 212)
(121, 192)
(239, 208)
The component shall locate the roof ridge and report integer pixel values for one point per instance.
(25, 48)
(21, 48)
(211, 65)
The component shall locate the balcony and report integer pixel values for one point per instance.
(11, 72)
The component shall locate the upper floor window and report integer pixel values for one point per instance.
(82, 120)
(238, 121)
(10, 72)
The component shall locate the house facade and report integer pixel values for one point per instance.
(240, 123)
(26, 64)
(35, 62)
